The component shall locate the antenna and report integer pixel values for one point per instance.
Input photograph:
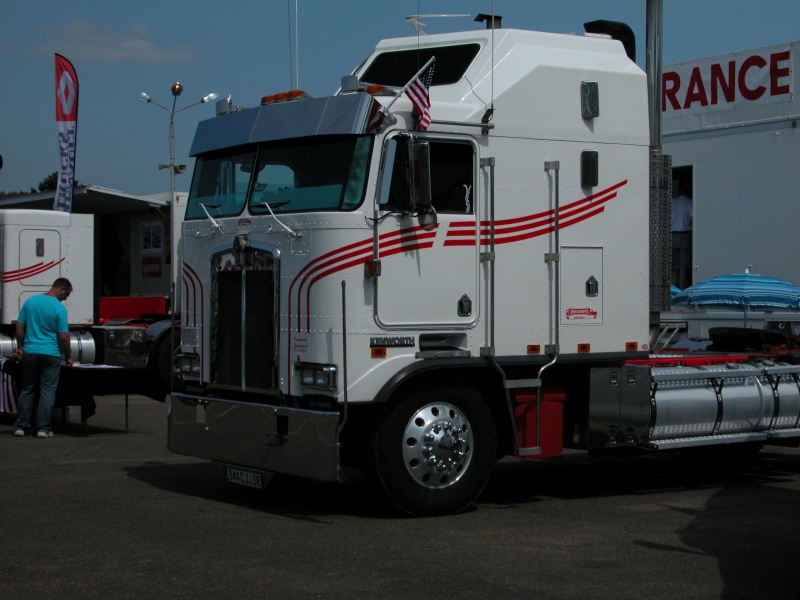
(297, 42)
(416, 23)
(294, 77)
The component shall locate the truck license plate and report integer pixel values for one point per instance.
(246, 478)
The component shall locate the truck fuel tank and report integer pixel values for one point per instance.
(694, 404)
(81, 344)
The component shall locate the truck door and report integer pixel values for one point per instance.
(38, 263)
(428, 279)
(39, 257)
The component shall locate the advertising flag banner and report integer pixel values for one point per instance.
(67, 122)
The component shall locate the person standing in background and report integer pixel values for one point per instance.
(42, 336)
(682, 216)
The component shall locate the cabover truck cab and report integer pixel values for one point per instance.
(360, 292)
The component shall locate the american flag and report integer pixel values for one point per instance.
(418, 93)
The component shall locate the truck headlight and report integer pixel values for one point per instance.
(187, 364)
(322, 377)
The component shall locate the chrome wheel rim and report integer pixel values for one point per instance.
(437, 445)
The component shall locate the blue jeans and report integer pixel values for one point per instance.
(38, 371)
(681, 250)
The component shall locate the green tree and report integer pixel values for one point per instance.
(10, 194)
(49, 183)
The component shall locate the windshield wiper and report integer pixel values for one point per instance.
(277, 203)
(210, 218)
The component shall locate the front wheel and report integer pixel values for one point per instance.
(433, 452)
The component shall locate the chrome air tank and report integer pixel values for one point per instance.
(709, 400)
(783, 378)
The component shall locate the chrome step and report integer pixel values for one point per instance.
(708, 440)
(783, 433)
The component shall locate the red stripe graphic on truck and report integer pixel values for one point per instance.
(524, 228)
(32, 271)
(460, 233)
(352, 255)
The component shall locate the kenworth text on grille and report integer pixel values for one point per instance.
(360, 290)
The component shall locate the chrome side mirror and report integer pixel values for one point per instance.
(427, 218)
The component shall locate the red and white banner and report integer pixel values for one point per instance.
(759, 76)
(67, 122)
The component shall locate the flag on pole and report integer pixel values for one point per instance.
(418, 93)
(67, 123)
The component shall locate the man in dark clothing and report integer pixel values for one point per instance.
(682, 217)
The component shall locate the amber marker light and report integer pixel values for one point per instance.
(284, 97)
(378, 352)
(584, 347)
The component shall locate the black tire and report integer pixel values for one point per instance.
(434, 450)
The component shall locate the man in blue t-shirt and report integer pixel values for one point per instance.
(42, 337)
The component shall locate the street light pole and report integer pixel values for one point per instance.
(177, 90)
(174, 169)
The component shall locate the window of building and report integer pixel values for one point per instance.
(152, 238)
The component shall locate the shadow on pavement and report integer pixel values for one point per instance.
(283, 495)
(748, 525)
(579, 476)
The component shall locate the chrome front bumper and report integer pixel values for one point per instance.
(270, 438)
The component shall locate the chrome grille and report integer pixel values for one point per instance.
(244, 326)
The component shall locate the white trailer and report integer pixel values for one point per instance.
(730, 125)
(37, 247)
(361, 291)
(131, 330)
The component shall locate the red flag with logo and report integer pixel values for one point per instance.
(67, 122)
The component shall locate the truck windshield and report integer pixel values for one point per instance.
(310, 174)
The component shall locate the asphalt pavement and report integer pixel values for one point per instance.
(113, 514)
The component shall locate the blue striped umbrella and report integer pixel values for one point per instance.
(746, 291)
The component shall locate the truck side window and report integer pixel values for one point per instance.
(451, 177)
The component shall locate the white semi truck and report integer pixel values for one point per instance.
(361, 292)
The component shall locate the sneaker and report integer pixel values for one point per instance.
(19, 432)
(44, 434)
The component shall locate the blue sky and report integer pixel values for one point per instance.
(248, 49)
